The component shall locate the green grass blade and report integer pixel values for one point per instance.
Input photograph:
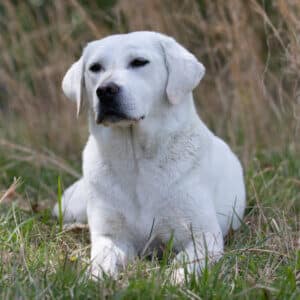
(59, 200)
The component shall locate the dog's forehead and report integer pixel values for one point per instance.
(124, 43)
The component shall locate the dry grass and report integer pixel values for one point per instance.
(250, 48)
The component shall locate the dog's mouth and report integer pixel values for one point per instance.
(109, 117)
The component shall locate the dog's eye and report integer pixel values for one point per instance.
(96, 67)
(139, 62)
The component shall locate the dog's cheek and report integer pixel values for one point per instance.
(148, 97)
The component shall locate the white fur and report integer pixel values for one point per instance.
(164, 176)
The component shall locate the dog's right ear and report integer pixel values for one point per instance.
(73, 82)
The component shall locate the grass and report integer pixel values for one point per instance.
(261, 259)
(59, 202)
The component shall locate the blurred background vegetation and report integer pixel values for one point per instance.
(251, 49)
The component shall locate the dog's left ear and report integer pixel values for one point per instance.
(72, 83)
(184, 70)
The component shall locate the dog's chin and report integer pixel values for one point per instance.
(117, 119)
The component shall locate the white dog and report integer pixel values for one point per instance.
(152, 170)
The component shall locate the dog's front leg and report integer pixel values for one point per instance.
(204, 249)
(109, 256)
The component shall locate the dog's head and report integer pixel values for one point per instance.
(128, 77)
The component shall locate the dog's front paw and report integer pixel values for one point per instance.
(99, 272)
(95, 273)
(177, 276)
(109, 257)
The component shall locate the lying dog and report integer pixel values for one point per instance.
(151, 169)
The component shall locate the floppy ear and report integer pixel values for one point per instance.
(184, 70)
(72, 83)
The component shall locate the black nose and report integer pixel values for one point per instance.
(106, 91)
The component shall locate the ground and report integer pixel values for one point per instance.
(38, 260)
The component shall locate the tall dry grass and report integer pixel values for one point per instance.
(251, 49)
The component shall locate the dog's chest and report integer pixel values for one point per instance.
(151, 189)
(145, 187)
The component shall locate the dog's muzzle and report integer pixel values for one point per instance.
(110, 107)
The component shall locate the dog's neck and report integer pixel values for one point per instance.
(148, 134)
